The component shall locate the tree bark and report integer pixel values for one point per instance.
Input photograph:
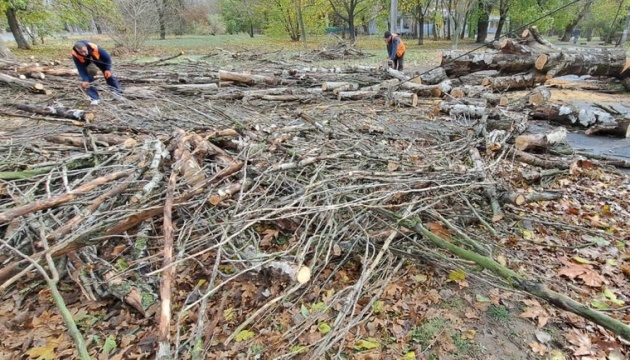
(14, 24)
(514, 82)
(504, 7)
(483, 21)
(63, 112)
(531, 142)
(621, 128)
(26, 84)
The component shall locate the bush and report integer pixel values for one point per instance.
(216, 24)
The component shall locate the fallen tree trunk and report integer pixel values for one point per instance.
(572, 116)
(592, 61)
(25, 84)
(248, 79)
(59, 111)
(404, 99)
(356, 95)
(620, 128)
(457, 63)
(539, 290)
(540, 141)
(514, 82)
(340, 86)
(434, 76)
(606, 85)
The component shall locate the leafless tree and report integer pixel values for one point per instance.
(137, 20)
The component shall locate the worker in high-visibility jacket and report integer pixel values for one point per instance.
(395, 50)
(85, 53)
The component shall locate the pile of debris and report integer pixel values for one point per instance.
(268, 178)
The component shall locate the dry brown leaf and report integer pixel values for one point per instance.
(572, 271)
(581, 340)
(535, 311)
(592, 279)
(538, 348)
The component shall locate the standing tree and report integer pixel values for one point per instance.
(458, 14)
(11, 9)
(575, 21)
(484, 10)
(419, 9)
(242, 15)
(349, 10)
(504, 8)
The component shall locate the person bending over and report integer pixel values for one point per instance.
(85, 53)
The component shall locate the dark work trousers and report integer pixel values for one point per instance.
(398, 63)
(112, 82)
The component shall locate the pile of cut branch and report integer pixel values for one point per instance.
(267, 178)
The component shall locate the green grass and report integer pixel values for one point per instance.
(272, 48)
(425, 334)
(498, 313)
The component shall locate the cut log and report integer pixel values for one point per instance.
(423, 90)
(511, 46)
(532, 36)
(404, 98)
(572, 116)
(475, 78)
(605, 85)
(620, 128)
(458, 109)
(537, 97)
(434, 76)
(402, 77)
(540, 141)
(534, 176)
(58, 111)
(458, 63)
(383, 85)
(343, 86)
(356, 95)
(248, 79)
(592, 61)
(457, 93)
(25, 84)
(515, 82)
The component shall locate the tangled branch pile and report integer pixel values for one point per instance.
(203, 185)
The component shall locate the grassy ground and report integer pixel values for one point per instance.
(197, 46)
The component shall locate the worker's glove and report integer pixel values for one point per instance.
(107, 74)
(85, 84)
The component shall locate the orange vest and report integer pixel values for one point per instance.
(401, 48)
(95, 54)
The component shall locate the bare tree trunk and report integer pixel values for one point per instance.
(504, 7)
(15, 29)
(161, 4)
(251, 29)
(569, 28)
(421, 30)
(448, 20)
(483, 21)
(301, 20)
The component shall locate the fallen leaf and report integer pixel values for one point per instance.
(572, 271)
(501, 260)
(366, 344)
(592, 279)
(421, 278)
(469, 334)
(538, 348)
(482, 299)
(535, 311)
(612, 297)
(457, 275)
(392, 166)
(581, 260)
(336, 250)
(527, 234)
(557, 355)
(410, 356)
(244, 335)
(323, 328)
